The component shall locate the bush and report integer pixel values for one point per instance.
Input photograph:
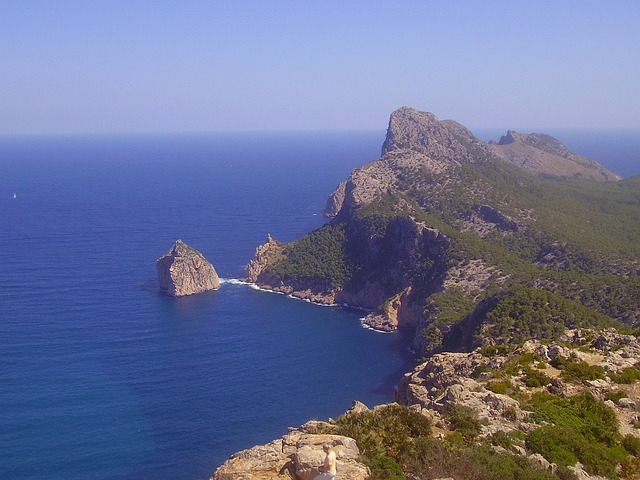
(535, 378)
(525, 313)
(628, 376)
(502, 439)
(615, 395)
(631, 444)
(318, 259)
(438, 459)
(580, 428)
(465, 421)
(389, 431)
(579, 370)
(494, 350)
(385, 468)
(499, 386)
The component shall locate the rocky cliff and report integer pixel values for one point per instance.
(184, 271)
(443, 228)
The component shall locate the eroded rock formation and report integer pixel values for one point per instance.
(184, 271)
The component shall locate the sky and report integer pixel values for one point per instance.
(178, 66)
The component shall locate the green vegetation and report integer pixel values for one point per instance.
(615, 395)
(493, 255)
(535, 378)
(552, 253)
(578, 428)
(579, 370)
(390, 431)
(628, 376)
(438, 459)
(465, 421)
(532, 313)
(316, 259)
(395, 443)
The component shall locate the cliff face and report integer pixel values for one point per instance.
(184, 271)
(443, 227)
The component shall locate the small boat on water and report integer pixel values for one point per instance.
(15, 196)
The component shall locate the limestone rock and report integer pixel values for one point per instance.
(262, 462)
(266, 254)
(295, 456)
(184, 271)
(335, 201)
(357, 407)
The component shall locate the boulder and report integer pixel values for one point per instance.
(184, 271)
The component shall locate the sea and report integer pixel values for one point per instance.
(102, 377)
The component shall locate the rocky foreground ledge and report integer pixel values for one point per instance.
(495, 388)
(295, 456)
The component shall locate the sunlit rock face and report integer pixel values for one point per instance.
(184, 271)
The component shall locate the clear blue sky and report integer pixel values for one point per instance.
(133, 65)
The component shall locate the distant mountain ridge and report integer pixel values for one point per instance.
(444, 230)
(543, 154)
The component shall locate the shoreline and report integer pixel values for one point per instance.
(255, 286)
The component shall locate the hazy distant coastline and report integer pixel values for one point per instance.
(618, 150)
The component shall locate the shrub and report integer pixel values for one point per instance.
(535, 378)
(503, 387)
(493, 350)
(631, 444)
(580, 428)
(525, 312)
(579, 370)
(630, 467)
(628, 376)
(499, 386)
(502, 439)
(465, 420)
(615, 395)
(389, 431)
(438, 459)
(385, 468)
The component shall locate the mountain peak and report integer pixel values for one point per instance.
(422, 132)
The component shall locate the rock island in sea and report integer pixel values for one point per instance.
(184, 271)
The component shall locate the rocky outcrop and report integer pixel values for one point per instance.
(544, 155)
(410, 129)
(335, 201)
(265, 255)
(449, 379)
(184, 271)
(295, 456)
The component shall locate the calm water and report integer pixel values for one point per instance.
(102, 378)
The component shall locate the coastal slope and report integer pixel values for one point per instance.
(450, 235)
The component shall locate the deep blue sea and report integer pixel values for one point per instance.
(103, 378)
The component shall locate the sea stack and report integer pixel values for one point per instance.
(184, 271)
